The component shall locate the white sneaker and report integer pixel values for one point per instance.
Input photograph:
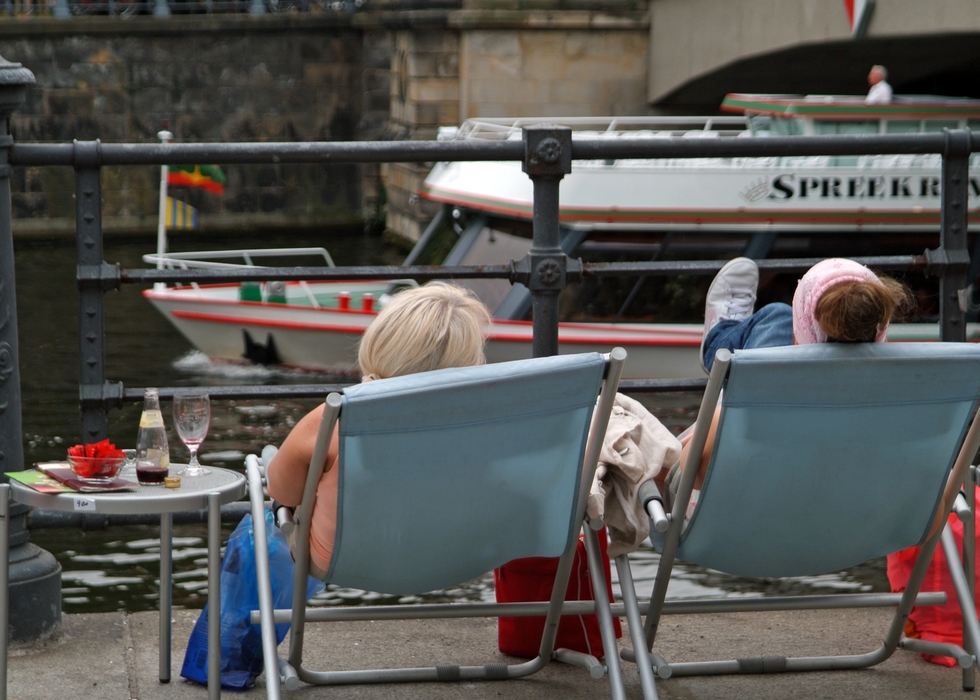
(731, 296)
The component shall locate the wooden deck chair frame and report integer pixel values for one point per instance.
(292, 671)
(949, 498)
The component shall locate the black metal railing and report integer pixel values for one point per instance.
(547, 154)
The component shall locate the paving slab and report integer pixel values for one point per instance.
(114, 655)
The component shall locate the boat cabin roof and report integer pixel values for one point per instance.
(840, 107)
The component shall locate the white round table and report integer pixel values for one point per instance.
(208, 492)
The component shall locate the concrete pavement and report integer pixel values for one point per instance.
(114, 655)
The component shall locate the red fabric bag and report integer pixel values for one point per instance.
(934, 623)
(531, 579)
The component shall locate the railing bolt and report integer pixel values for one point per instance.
(548, 151)
(549, 272)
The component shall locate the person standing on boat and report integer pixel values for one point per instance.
(880, 90)
(431, 327)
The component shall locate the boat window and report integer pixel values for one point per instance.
(492, 247)
(933, 126)
(522, 228)
(760, 125)
(786, 127)
(443, 238)
(664, 299)
(845, 127)
(902, 126)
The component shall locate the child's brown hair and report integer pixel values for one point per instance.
(855, 312)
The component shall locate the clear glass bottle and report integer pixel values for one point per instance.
(152, 449)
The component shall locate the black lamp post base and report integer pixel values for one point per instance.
(35, 594)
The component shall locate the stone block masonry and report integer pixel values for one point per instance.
(238, 78)
(382, 73)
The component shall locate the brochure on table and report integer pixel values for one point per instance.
(57, 477)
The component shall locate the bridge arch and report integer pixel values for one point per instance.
(702, 49)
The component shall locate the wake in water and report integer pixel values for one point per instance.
(196, 363)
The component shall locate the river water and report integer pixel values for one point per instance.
(118, 569)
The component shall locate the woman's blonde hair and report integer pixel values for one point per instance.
(855, 312)
(431, 327)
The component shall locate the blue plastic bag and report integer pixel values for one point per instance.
(241, 642)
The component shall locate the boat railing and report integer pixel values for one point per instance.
(214, 259)
(502, 129)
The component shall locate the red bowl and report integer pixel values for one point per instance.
(96, 468)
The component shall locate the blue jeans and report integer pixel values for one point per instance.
(769, 327)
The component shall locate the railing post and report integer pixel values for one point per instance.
(94, 279)
(547, 158)
(953, 236)
(35, 575)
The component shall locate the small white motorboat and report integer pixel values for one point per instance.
(316, 325)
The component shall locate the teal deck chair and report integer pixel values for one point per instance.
(826, 456)
(444, 476)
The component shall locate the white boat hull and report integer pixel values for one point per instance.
(782, 194)
(325, 339)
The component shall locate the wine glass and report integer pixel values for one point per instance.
(192, 416)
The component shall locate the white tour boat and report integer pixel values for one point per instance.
(619, 210)
(787, 194)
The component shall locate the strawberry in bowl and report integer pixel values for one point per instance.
(97, 461)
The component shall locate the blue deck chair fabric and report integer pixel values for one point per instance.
(826, 456)
(444, 476)
(845, 448)
(504, 460)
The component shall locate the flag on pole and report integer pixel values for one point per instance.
(207, 177)
(858, 15)
(180, 216)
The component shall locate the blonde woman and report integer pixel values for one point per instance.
(431, 327)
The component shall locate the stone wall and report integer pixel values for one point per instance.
(389, 73)
(578, 72)
(242, 78)
(424, 95)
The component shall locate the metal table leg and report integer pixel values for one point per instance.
(166, 576)
(4, 582)
(214, 596)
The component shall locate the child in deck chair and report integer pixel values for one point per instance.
(431, 327)
(836, 301)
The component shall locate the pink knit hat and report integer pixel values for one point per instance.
(811, 287)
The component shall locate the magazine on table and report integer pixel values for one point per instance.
(57, 477)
